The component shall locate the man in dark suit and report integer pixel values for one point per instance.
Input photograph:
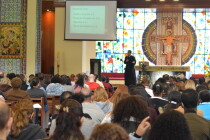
(130, 77)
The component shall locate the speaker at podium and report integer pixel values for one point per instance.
(95, 67)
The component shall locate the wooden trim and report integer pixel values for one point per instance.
(155, 4)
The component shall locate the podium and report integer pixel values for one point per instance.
(95, 67)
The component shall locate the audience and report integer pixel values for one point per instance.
(100, 98)
(22, 128)
(16, 93)
(199, 127)
(90, 108)
(126, 114)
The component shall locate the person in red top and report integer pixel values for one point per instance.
(91, 82)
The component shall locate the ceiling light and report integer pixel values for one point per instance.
(162, 0)
(175, 0)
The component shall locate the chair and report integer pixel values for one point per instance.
(51, 103)
(42, 114)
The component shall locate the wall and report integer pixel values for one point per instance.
(68, 54)
(88, 52)
(31, 37)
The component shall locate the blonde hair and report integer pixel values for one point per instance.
(190, 84)
(21, 115)
(109, 131)
(100, 94)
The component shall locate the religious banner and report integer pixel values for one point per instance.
(169, 40)
(11, 42)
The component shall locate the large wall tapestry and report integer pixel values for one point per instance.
(13, 36)
(131, 24)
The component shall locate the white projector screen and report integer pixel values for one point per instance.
(90, 20)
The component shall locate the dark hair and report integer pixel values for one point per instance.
(157, 89)
(73, 106)
(4, 114)
(80, 81)
(56, 79)
(11, 75)
(174, 96)
(132, 106)
(78, 97)
(200, 88)
(201, 80)
(189, 98)
(65, 95)
(65, 80)
(171, 125)
(129, 51)
(67, 126)
(34, 82)
(204, 95)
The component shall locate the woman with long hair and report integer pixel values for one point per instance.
(100, 98)
(22, 128)
(129, 113)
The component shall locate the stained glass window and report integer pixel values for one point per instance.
(131, 24)
(200, 20)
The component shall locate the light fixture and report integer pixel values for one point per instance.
(147, 0)
(176, 0)
(48, 10)
(162, 0)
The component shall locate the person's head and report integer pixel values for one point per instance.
(132, 106)
(170, 125)
(145, 82)
(31, 76)
(201, 80)
(181, 85)
(34, 83)
(11, 75)
(100, 95)
(56, 79)
(172, 87)
(119, 97)
(175, 96)
(204, 96)
(208, 84)
(5, 119)
(87, 93)
(91, 78)
(121, 88)
(23, 77)
(80, 80)
(199, 88)
(129, 52)
(72, 106)
(78, 97)
(67, 126)
(166, 77)
(190, 84)
(72, 77)
(189, 99)
(65, 80)
(109, 131)
(65, 96)
(16, 83)
(22, 113)
(157, 89)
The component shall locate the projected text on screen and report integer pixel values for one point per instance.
(87, 19)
